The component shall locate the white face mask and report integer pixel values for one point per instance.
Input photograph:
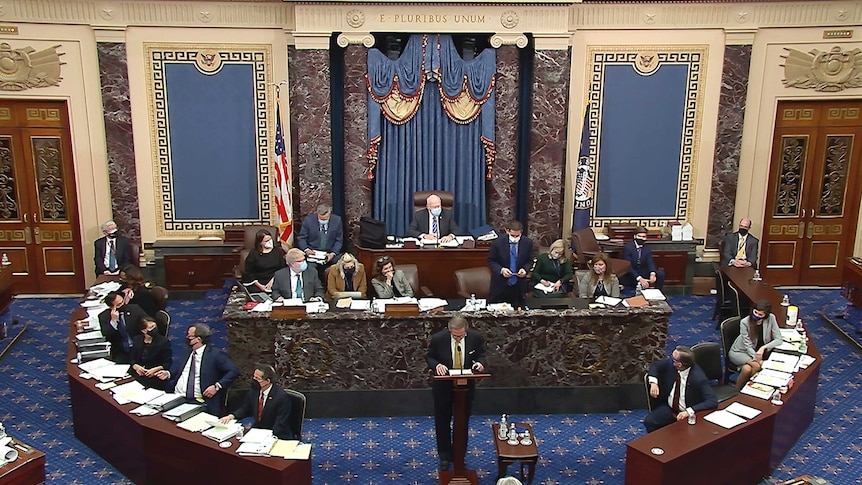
(268, 244)
(514, 239)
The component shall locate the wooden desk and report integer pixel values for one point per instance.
(745, 453)
(28, 469)
(852, 281)
(152, 450)
(751, 291)
(436, 266)
(526, 455)
(6, 291)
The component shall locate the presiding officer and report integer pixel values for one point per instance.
(267, 402)
(434, 222)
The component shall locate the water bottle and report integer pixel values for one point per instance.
(241, 432)
(473, 301)
(373, 307)
(513, 435)
(639, 289)
(692, 418)
(501, 433)
(799, 327)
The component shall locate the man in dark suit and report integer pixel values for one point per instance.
(642, 269)
(322, 232)
(452, 348)
(434, 222)
(112, 251)
(267, 403)
(510, 258)
(204, 374)
(119, 324)
(284, 282)
(740, 247)
(678, 389)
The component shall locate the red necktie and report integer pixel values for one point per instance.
(260, 406)
(676, 394)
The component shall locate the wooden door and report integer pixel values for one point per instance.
(812, 206)
(39, 228)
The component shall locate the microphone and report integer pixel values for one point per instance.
(460, 364)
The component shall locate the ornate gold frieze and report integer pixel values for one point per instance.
(788, 229)
(832, 71)
(843, 113)
(42, 114)
(25, 68)
(12, 235)
(56, 236)
(799, 114)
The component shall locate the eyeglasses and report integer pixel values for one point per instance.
(383, 259)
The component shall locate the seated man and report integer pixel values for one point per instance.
(322, 231)
(297, 280)
(112, 251)
(267, 403)
(679, 387)
(433, 222)
(119, 324)
(740, 247)
(643, 269)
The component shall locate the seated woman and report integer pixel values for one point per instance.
(262, 262)
(553, 269)
(758, 335)
(600, 281)
(136, 291)
(348, 274)
(389, 283)
(151, 352)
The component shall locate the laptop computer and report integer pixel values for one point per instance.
(558, 303)
(258, 296)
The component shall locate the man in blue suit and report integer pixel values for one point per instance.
(678, 388)
(204, 374)
(510, 259)
(324, 232)
(642, 269)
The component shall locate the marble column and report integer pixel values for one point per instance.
(357, 187)
(120, 144)
(501, 188)
(310, 129)
(548, 144)
(725, 169)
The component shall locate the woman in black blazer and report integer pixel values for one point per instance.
(151, 352)
(136, 291)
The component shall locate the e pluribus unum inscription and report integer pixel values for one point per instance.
(433, 18)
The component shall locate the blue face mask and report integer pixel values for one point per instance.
(436, 212)
(303, 266)
(755, 318)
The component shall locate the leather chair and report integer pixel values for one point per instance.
(587, 246)
(447, 199)
(162, 317)
(473, 281)
(707, 355)
(135, 253)
(729, 332)
(248, 236)
(411, 272)
(297, 411)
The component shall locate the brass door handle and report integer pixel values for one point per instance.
(810, 230)
(27, 238)
(34, 218)
(25, 218)
(37, 235)
(803, 213)
(802, 230)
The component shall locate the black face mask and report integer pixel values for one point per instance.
(743, 231)
(112, 235)
(152, 332)
(640, 241)
(349, 271)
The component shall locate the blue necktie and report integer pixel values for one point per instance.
(299, 286)
(513, 263)
(112, 257)
(323, 237)
(124, 332)
(435, 227)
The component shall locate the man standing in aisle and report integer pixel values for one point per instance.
(510, 259)
(322, 232)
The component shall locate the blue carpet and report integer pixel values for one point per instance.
(574, 449)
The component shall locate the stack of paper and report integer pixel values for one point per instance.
(608, 300)
(546, 288)
(772, 378)
(146, 395)
(789, 347)
(316, 307)
(183, 412)
(219, 434)
(143, 410)
(805, 361)
(761, 391)
(197, 423)
(291, 450)
(653, 294)
(166, 401)
(123, 393)
(426, 304)
(360, 305)
(257, 442)
(791, 335)
(742, 410)
(782, 362)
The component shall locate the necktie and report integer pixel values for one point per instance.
(124, 332)
(299, 286)
(639, 255)
(190, 385)
(435, 226)
(458, 359)
(676, 387)
(260, 407)
(513, 262)
(112, 257)
(740, 250)
(323, 235)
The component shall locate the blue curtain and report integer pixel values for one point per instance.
(430, 126)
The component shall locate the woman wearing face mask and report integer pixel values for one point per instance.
(553, 269)
(348, 274)
(136, 291)
(600, 281)
(262, 262)
(151, 352)
(389, 282)
(758, 335)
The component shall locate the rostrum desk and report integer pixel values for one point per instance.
(153, 450)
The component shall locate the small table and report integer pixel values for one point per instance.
(507, 454)
(28, 469)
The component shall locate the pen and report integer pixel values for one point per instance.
(22, 448)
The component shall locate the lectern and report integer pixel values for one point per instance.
(460, 385)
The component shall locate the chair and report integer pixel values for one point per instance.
(649, 399)
(411, 272)
(726, 297)
(729, 332)
(707, 355)
(297, 411)
(162, 318)
(135, 253)
(473, 281)
(447, 199)
(249, 233)
(587, 246)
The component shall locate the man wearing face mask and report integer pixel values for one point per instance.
(202, 375)
(740, 247)
(297, 280)
(434, 222)
(322, 231)
(112, 251)
(119, 324)
(678, 388)
(642, 269)
(510, 258)
(267, 403)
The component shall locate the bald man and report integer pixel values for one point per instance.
(740, 247)
(434, 217)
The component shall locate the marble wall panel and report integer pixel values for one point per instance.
(501, 188)
(310, 129)
(357, 188)
(548, 144)
(725, 170)
(122, 176)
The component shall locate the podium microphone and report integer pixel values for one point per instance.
(460, 364)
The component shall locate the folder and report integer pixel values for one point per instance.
(183, 412)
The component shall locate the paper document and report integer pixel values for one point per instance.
(94, 364)
(805, 361)
(143, 410)
(742, 410)
(460, 372)
(791, 335)
(198, 422)
(789, 346)
(360, 304)
(283, 448)
(546, 288)
(255, 448)
(761, 391)
(316, 307)
(635, 302)
(724, 419)
(257, 435)
(128, 389)
(500, 307)
(92, 335)
(608, 300)
(317, 257)
(113, 371)
(426, 304)
(772, 378)
(653, 294)
(344, 303)
(222, 434)
(450, 244)
(301, 452)
(146, 395)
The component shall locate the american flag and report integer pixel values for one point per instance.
(282, 182)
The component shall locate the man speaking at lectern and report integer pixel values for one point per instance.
(452, 348)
